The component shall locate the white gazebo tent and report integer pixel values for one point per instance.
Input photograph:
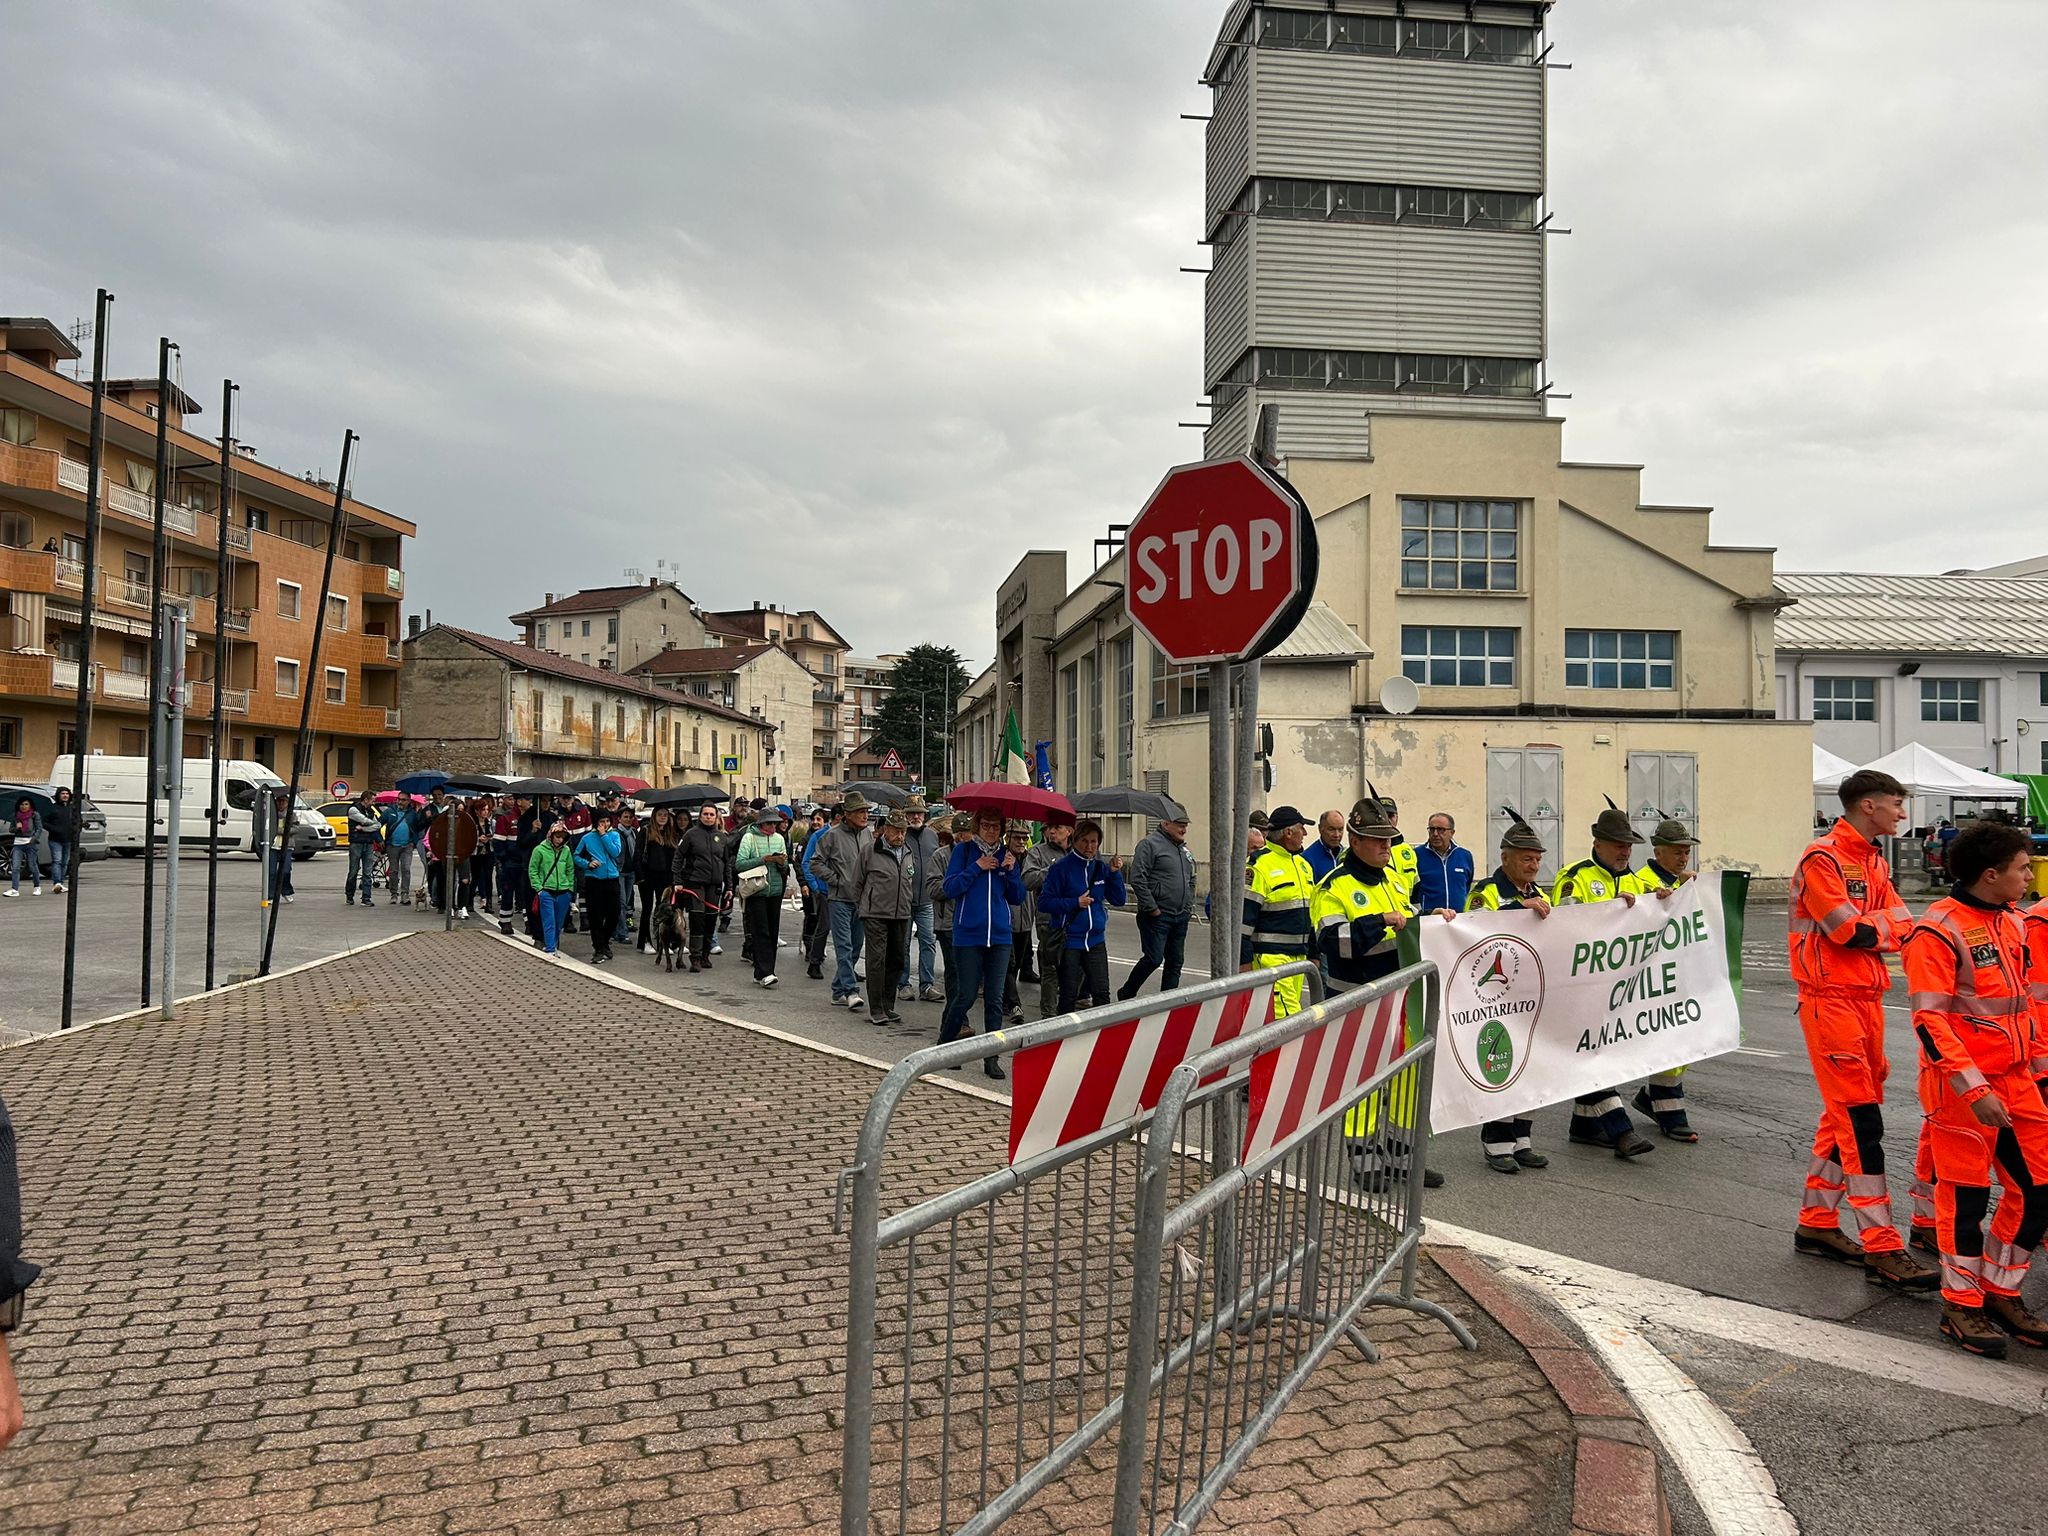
(1925, 771)
(1829, 770)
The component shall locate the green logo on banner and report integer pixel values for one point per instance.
(1496, 1054)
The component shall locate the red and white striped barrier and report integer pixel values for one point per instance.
(1296, 1084)
(1067, 1089)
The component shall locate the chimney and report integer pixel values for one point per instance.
(547, 600)
(757, 605)
(654, 581)
(412, 632)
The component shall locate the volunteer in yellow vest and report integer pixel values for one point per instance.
(1662, 1096)
(1402, 864)
(1598, 1118)
(1511, 887)
(1359, 910)
(1277, 887)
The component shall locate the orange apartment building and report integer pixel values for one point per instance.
(277, 537)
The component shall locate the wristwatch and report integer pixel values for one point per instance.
(10, 1311)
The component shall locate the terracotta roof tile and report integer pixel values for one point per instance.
(533, 659)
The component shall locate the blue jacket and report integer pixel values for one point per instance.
(1321, 859)
(397, 820)
(597, 855)
(1442, 882)
(981, 898)
(811, 846)
(1059, 899)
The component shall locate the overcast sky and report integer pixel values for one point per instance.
(848, 304)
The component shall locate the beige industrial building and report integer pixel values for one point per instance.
(761, 681)
(1376, 211)
(613, 628)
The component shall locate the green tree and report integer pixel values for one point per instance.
(924, 686)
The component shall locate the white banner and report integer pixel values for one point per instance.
(1537, 1010)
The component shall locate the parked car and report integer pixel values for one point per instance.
(336, 812)
(91, 844)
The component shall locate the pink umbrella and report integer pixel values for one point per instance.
(393, 796)
(1018, 802)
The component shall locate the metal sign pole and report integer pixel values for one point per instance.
(1247, 718)
(81, 729)
(219, 750)
(159, 552)
(1225, 848)
(172, 623)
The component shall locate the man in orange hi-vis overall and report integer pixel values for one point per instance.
(1845, 916)
(1982, 1056)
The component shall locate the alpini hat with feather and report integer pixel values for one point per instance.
(1519, 833)
(1611, 825)
(1369, 817)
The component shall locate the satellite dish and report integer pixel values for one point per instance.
(1399, 695)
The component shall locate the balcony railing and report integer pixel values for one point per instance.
(236, 621)
(394, 583)
(64, 674)
(234, 701)
(73, 476)
(123, 685)
(238, 538)
(124, 592)
(71, 574)
(391, 720)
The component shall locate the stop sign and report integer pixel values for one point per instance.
(1221, 562)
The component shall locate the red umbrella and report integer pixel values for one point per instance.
(1018, 802)
(629, 784)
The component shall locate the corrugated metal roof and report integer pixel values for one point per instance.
(1321, 636)
(1914, 615)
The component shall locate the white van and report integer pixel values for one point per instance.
(119, 785)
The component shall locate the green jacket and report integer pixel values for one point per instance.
(550, 868)
(754, 851)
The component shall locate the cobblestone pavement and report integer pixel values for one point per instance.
(438, 1238)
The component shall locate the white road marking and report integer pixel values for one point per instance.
(1638, 1300)
(1756, 1050)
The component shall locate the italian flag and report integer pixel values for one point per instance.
(1011, 764)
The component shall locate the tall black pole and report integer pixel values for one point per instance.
(220, 663)
(81, 728)
(156, 656)
(302, 748)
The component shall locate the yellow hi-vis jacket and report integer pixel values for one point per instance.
(1276, 928)
(1590, 881)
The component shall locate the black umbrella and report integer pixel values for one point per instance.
(483, 783)
(596, 784)
(1122, 800)
(540, 787)
(683, 794)
(874, 789)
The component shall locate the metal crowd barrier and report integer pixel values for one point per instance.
(986, 1326)
(1244, 1285)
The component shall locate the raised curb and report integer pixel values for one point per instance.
(1617, 1489)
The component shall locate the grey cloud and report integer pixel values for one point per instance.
(896, 280)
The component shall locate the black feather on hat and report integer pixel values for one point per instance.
(1612, 825)
(1519, 833)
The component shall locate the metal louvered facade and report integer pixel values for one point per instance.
(1375, 216)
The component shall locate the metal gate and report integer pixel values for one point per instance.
(1662, 784)
(1531, 779)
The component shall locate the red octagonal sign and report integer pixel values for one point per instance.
(1220, 563)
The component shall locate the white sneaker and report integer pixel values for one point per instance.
(39, 891)
(717, 948)
(463, 913)
(856, 1002)
(779, 943)
(287, 899)
(10, 893)
(646, 949)
(58, 888)
(766, 981)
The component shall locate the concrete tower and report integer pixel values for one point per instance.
(1375, 211)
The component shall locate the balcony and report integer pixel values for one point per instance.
(238, 539)
(123, 687)
(234, 701)
(28, 570)
(36, 675)
(236, 621)
(391, 582)
(123, 592)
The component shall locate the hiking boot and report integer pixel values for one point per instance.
(1528, 1157)
(1900, 1271)
(1632, 1145)
(1827, 1243)
(2011, 1314)
(1501, 1162)
(1970, 1330)
(1923, 1238)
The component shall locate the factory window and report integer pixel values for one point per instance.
(1845, 698)
(1370, 201)
(1502, 210)
(1294, 29)
(1432, 374)
(1124, 656)
(1287, 197)
(1629, 659)
(1070, 713)
(1460, 546)
(1491, 44)
(1378, 372)
(1296, 197)
(1500, 376)
(1432, 205)
(1434, 39)
(1363, 34)
(1444, 656)
(1953, 699)
(1178, 691)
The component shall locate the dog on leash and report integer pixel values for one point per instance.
(671, 935)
